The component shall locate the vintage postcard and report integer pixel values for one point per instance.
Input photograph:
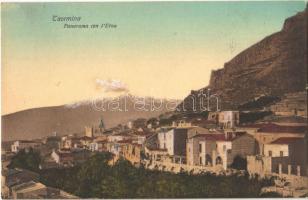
(147, 100)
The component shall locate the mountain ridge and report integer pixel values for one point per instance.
(275, 65)
(40, 122)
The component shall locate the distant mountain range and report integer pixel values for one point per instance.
(272, 67)
(72, 118)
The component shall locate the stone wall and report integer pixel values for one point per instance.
(242, 146)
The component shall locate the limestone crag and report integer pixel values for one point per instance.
(274, 66)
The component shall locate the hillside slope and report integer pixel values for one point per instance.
(274, 66)
(66, 119)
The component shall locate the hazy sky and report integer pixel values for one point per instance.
(160, 49)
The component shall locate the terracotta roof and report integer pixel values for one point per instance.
(85, 138)
(286, 140)
(143, 133)
(121, 134)
(124, 141)
(156, 149)
(136, 144)
(220, 137)
(274, 128)
(212, 137)
(101, 141)
(201, 121)
(65, 149)
(28, 141)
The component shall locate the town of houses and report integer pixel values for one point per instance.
(195, 145)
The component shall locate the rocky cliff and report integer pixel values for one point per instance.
(274, 66)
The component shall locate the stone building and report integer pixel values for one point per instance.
(268, 132)
(132, 152)
(138, 123)
(140, 135)
(282, 149)
(174, 141)
(13, 177)
(219, 149)
(199, 149)
(289, 152)
(70, 157)
(89, 131)
(85, 141)
(70, 141)
(37, 190)
(228, 119)
(98, 145)
(118, 137)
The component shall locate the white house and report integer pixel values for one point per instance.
(228, 119)
(96, 146)
(24, 144)
(173, 140)
(118, 137)
(55, 156)
(286, 146)
(218, 149)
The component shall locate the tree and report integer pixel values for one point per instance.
(96, 179)
(91, 173)
(239, 163)
(29, 159)
(270, 195)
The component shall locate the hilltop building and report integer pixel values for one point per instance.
(228, 119)
(24, 144)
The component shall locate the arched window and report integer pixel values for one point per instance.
(208, 159)
(218, 160)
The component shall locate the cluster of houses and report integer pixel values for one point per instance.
(214, 144)
(284, 145)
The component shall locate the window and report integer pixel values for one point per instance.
(164, 145)
(281, 153)
(200, 148)
(270, 153)
(200, 160)
(224, 148)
